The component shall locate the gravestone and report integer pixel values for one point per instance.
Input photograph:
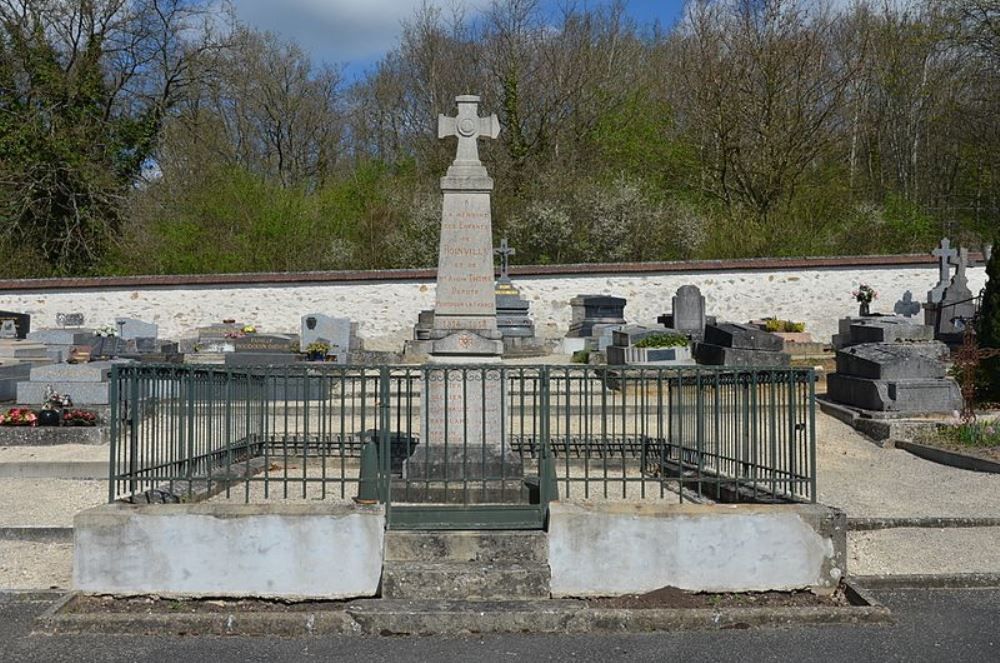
(944, 253)
(957, 307)
(590, 310)
(335, 332)
(902, 377)
(623, 350)
(688, 311)
(131, 329)
(741, 346)
(513, 320)
(14, 325)
(906, 307)
(69, 319)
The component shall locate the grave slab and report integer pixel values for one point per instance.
(744, 337)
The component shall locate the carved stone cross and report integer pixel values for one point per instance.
(960, 264)
(468, 127)
(944, 253)
(505, 252)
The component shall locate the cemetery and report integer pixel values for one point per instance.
(483, 448)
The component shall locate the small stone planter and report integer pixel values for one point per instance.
(659, 356)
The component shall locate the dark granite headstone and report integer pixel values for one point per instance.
(589, 310)
(19, 327)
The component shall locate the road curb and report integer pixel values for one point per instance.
(55, 469)
(928, 522)
(372, 617)
(928, 581)
(949, 458)
(37, 534)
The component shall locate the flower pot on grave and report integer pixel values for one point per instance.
(865, 309)
(49, 417)
(316, 356)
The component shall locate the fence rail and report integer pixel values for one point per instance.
(461, 434)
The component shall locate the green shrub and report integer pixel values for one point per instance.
(775, 325)
(989, 326)
(979, 434)
(663, 341)
(581, 357)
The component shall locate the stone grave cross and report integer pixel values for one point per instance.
(960, 265)
(944, 253)
(505, 252)
(468, 127)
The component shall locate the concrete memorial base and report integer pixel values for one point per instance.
(322, 551)
(616, 549)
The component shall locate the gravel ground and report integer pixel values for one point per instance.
(35, 565)
(866, 480)
(47, 502)
(55, 452)
(909, 550)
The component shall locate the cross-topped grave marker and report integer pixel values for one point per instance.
(944, 253)
(906, 307)
(505, 252)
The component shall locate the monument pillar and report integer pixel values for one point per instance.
(466, 408)
(465, 315)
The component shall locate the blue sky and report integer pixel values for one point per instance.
(356, 33)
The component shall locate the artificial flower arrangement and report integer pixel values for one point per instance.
(865, 294)
(79, 418)
(106, 331)
(19, 416)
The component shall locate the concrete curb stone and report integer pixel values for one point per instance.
(402, 617)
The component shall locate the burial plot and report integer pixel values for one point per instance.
(687, 314)
(894, 365)
(14, 325)
(338, 333)
(742, 346)
(589, 311)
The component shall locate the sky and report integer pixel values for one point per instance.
(356, 33)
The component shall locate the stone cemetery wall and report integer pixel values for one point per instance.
(816, 291)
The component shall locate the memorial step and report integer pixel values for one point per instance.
(475, 581)
(467, 546)
(456, 491)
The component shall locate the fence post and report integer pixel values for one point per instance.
(115, 413)
(548, 490)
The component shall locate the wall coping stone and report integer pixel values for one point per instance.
(361, 276)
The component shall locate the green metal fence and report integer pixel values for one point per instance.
(500, 437)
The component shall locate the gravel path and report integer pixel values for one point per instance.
(866, 480)
(47, 502)
(55, 452)
(909, 551)
(35, 565)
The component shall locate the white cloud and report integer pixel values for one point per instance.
(334, 30)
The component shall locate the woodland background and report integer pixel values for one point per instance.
(162, 136)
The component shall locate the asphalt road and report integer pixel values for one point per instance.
(932, 625)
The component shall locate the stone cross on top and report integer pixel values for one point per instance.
(960, 264)
(505, 252)
(468, 127)
(944, 253)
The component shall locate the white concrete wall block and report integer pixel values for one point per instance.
(293, 551)
(609, 549)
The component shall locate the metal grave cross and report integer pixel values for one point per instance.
(944, 253)
(468, 127)
(505, 252)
